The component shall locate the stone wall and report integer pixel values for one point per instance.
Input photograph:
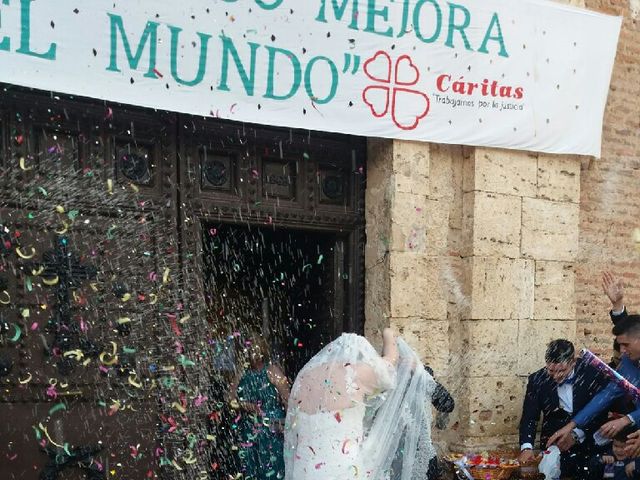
(469, 256)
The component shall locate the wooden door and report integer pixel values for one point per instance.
(86, 239)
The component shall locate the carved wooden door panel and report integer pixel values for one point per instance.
(86, 196)
(277, 179)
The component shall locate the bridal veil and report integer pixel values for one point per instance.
(354, 415)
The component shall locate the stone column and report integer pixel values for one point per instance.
(407, 227)
(414, 220)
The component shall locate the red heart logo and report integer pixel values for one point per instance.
(377, 98)
(409, 107)
(406, 72)
(378, 67)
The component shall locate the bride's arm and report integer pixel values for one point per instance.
(389, 346)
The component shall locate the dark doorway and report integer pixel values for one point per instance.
(280, 283)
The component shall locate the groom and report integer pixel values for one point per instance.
(565, 385)
(627, 332)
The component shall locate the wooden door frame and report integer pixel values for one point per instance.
(205, 207)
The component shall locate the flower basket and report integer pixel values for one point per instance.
(486, 466)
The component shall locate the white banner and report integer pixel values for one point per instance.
(527, 74)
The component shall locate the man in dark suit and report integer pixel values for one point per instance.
(563, 387)
(614, 289)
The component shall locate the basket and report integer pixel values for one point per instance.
(530, 472)
(493, 473)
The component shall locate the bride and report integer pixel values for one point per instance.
(354, 414)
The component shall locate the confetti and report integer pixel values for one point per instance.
(51, 281)
(26, 256)
(17, 334)
(5, 298)
(56, 408)
(23, 166)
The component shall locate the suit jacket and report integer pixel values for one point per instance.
(615, 359)
(619, 470)
(542, 398)
(616, 318)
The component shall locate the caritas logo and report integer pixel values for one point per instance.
(486, 88)
(394, 91)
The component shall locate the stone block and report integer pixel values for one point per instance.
(445, 171)
(455, 202)
(378, 201)
(501, 171)
(409, 208)
(379, 161)
(488, 347)
(554, 291)
(415, 287)
(430, 340)
(410, 166)
(492, 406)
(377, 247)
(454, 278)
(377, 293)
(559, 178)
(419, 224)
(549, 229)
(378, 231)
(491, 224)
(533, 337)
(501, 288)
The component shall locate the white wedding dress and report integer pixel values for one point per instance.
(351, 412)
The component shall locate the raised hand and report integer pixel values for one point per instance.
(614, 289)
(629, 469)
(566, 442)
(389, 346)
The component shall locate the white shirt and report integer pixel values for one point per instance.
(565, 396)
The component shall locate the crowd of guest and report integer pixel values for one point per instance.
(592, 420)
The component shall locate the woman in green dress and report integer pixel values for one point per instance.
(262, 393)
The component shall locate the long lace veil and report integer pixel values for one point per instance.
(398, 439)
(394, 405)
